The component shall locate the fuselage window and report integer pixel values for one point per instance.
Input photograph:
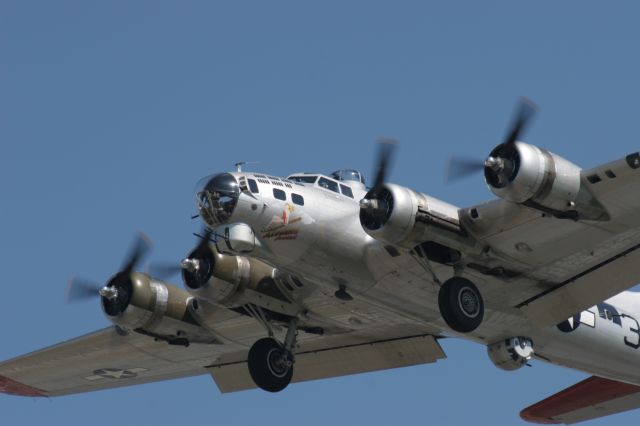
(344, 188)
(297, 199)
(253, 186)
(279, 194)
(328, 184)
(304, 179)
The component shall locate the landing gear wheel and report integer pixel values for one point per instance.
(461, 304)
(270, 365)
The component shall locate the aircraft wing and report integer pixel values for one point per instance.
(100, 360)
(106, 359)
(592, 398)
(556, 267)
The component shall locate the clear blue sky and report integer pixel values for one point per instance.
(111, 111)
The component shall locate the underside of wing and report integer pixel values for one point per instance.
(100, 360)
(107, 359)
(592, 398)
(555, 265)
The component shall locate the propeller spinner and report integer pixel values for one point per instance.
(197, 267)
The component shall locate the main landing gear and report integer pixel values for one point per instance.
(461, 304)
(271, 363)
(459, 300)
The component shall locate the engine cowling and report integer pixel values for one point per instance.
(232, 281)
(140, 303)
(530, 175)
(402, 217)
(511, 354)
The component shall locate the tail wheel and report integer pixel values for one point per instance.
(461, 304)
(270, 365)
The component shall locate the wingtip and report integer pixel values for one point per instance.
(11, 387)
(529, 415)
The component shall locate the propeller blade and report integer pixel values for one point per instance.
(79, 289)
(163, 270)
(138, 251)
(386, 149)
(526, 110)
(205, 238)
(461, 167)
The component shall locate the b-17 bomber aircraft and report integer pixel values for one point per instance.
(316, 276)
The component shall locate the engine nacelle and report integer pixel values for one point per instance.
(233, 281)
(511, 354)
(402, 217)
(151, 307)
(530, 175)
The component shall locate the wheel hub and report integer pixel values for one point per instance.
(469, 302)
(278, 362)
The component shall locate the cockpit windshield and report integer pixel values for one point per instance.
(348, 175)
(304, 178)
(216, 198)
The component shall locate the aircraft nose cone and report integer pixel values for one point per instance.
(216, 198)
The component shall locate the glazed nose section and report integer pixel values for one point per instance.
(216, 198)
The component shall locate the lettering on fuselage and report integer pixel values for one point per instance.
(606, 312)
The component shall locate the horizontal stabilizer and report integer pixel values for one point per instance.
(591, 398)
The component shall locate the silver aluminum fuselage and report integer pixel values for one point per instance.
(323, 243)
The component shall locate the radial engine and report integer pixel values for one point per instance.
(236, 281)
(139, 303)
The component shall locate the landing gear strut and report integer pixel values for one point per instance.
(271, 363)
(461, 304)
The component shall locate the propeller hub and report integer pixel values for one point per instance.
(494, 163)
(190, 265)
(109, 293)
(369, 203)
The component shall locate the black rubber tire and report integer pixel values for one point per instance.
(264, 373)
(455, 293)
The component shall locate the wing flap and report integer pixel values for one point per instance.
(340, 361)
(586, 289)
(592, 398)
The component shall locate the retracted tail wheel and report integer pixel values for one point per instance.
(461, 304)
(270, 365)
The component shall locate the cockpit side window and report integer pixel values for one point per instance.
(253, 186)
(344, 188)
(328, 184)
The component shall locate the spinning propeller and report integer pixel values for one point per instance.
(501, 164)
(80, 289)
(164, 270)
(377, 204)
